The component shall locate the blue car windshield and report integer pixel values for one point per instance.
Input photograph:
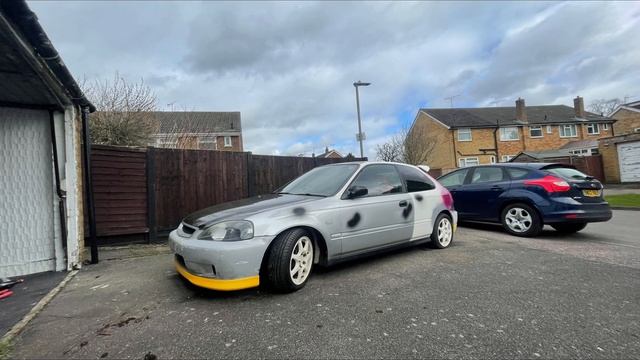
(321, 181)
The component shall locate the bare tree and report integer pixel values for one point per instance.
(411, 146)
(124, 115)
(604, 106)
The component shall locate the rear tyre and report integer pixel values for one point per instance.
(521, 220)
(289, 261)
(569, 228)
(442, 234)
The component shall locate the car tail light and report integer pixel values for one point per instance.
(550, 184)
(447, 199)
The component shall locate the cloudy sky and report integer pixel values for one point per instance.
(288, 67)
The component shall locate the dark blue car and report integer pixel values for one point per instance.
(523, 197)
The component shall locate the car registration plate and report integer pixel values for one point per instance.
(591, 193)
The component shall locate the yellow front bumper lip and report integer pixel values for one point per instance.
(218, 284)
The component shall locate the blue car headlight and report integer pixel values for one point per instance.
(228, 231)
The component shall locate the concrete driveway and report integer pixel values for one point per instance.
(490, 295)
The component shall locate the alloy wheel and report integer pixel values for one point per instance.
(518, 220)
(445, 232)
(301, 260)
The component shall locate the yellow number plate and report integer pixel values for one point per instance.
(591, 193)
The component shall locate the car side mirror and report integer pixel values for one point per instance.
(357, 191)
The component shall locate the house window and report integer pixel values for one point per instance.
(492, 159)
(207, 143)
(464, 134)
(469, 161)
(593, 129)
(506, 158)
(568, 131)
(227, 141)
(535, 131)
(509, 134)
(595, 151)
(549, 129)
(605, 127)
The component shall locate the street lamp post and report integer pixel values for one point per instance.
(360, 135)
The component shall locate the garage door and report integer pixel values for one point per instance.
(26, 201)
(629, 160)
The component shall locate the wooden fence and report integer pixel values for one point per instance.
(147, 191)
(590, 165)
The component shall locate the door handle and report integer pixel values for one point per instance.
(403, 203)
(496, 188)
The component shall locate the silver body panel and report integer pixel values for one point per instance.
(348, 226)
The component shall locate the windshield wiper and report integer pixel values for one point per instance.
(309, 194)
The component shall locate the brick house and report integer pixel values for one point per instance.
(627, 118)
(330, 154)
(472, 136)
(199, 130)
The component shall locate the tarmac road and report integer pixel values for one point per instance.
(490, 295)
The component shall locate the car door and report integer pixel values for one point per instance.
(380, 218)
(482, 192)
(455, 183)
(424, 199)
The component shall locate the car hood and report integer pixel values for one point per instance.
(240, 209)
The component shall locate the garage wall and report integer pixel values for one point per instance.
(629, 160)
(28, 240)
(608, 148)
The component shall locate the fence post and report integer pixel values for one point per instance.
(152, 222)
(251, 186)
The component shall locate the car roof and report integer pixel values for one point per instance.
(536, 166)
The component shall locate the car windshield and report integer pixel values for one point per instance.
(569, 173)
(321, 181)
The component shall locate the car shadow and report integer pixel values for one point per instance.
(547, 232)
(319, 272)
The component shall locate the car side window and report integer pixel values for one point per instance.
(455, 178)
(379, 180)
(487, 174)
(416, 180)
(516, 174)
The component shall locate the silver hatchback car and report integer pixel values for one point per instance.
(330, 214)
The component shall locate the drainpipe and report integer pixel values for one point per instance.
(495, 140)
(88, 187)
(62, 195)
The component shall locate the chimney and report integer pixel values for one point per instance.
(521, 112)
(578, 106)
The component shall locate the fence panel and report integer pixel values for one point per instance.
(120, 190)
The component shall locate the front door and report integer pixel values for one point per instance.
(483, 190)
(382, 217)
(455, 183)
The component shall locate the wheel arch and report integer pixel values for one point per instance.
(319, 243)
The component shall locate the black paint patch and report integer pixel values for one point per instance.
(299, 211)
(407, 211)
(354, 220)
(418, 197)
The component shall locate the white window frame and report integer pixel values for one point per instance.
(536, 128)
(506, 158)
(503, 133)
(563, 134)
(465, 131)
(227, 141)
(492, 159)
(605, 127)
(593, 129)
(463, 162)
(549, 129)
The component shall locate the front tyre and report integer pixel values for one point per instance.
(442, 233)
(289, 261)
(521, 220)
(569, 228)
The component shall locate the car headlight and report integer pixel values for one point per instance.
(228, 231)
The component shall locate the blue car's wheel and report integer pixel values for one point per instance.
(521, 220)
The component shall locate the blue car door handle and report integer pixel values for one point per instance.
(403, 203)
(496, 188)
